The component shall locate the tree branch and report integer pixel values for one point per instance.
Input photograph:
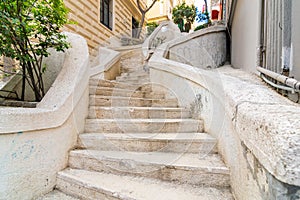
(139, 6)
(150, 5)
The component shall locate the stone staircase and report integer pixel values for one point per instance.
(139, 144)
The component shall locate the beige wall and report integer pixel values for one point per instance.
(86, 13)
(245, 35)
(160, 11)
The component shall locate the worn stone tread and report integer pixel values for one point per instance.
(146, 142)
(208, 163)
(152, 136)
(96, 185)
(56, 195)
(143, 125)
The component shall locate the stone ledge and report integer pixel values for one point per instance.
(106, 62)
(59, 102)
(253, 108)
(266, 122)
(195, 34)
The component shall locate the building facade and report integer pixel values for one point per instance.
(100, 20)
(265, 34)
(216, 10)
(162, 9)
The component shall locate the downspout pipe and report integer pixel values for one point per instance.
(229, 28)
(259, 33)
(291, 82)
(231, 14)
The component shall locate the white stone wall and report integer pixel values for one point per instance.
(205, 48)
(257, 129)
(245, 35)
(34, 143)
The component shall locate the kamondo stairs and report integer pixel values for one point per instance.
(139, 144)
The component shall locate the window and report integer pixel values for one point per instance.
(135, 26)
(106, 10)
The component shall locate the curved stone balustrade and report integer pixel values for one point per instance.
(37, 140)
(165, 32)
(257, 129)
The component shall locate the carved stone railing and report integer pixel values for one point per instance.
(165, 32)
(34, 142)
(257, 129)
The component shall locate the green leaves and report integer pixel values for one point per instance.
(184, 15)
(27, 29)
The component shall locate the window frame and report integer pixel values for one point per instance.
(106, 13)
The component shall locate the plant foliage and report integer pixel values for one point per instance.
(151, 27)
(27, 29)
(184, 15)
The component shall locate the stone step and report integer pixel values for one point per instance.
(56, 195)
(137, 112)
(132, 70)
(139, 82)
(108, 91)
(201, 143)
(112, 84)
(96, 100)
(131, 64)
(143, 126)
(147, 87)
(131, 67)
(207, 170)
(139, 73)
(136, 73)
(133, 78)
(96, 185)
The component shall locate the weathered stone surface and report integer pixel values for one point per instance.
(203, 170)
(198, 143)
(138, 112)
(143, 126)
(144, 136)
(205, 48)
(96, 100)
(30, 155)
(95, 185)
(237, 107)
(56, 195)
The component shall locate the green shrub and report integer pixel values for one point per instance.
(151, 27)
(27, 29)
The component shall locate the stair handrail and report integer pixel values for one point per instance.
(147, 47)
(104, 61)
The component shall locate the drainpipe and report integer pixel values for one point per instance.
(231, 14)
(292, 83)
(259, 32)
(228, 27)
(287, 36)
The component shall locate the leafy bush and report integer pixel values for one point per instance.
(27, 29)
(151, 27)
(184, 15)
(203, 26)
